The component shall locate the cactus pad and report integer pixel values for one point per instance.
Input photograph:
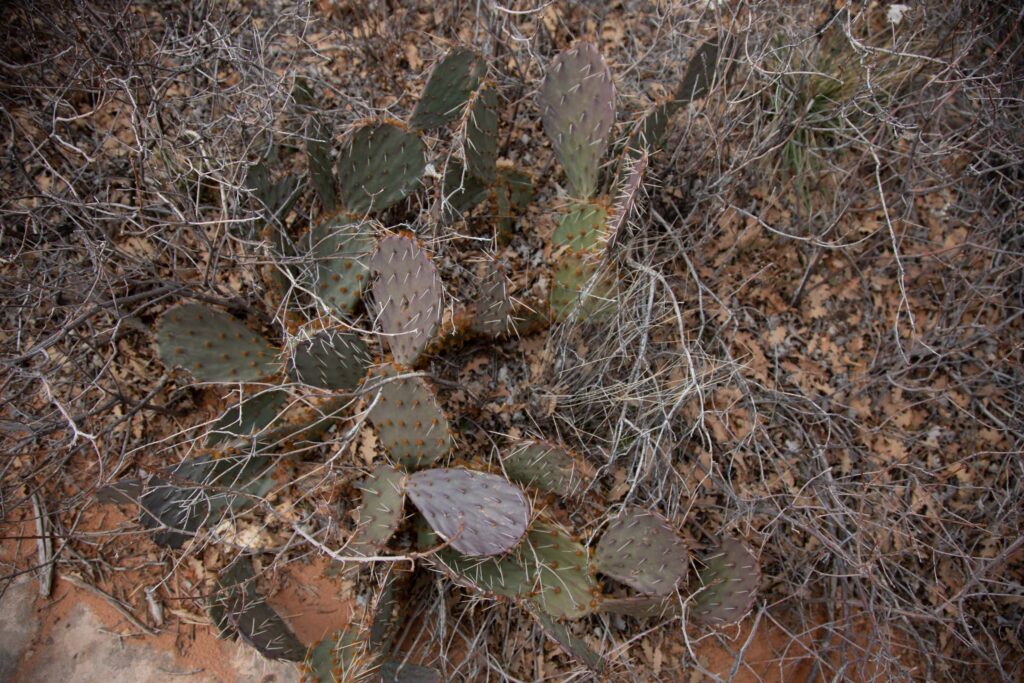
(493, 312)
(276, 198)
(582, 228)
(411, 425)
(331, 360)
(396, 671)
(248, 417)
(649, 134)
(700, 72)
(548, 567)
(544, 466)
(342, 656)
(642, 606)
(197, 493)
(574, 645)
(481, 137)
(728, 584)
(449, 87)
(406, 297)
(213, 346)
(239, 609)
(577, 102)
(381, 512)
(629, 192)
(481, 514)
(339, 249)
(380, 165)
(643, 551)
(318, 152)
(565, 586)
(462, 190)
(572, 276)
(513, 194)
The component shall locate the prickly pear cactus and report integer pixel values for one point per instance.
(332, 360)
(381, 164)
(565, 584)
(577, 102)
(629, 193)
(213, 346)
(461, 189)
(548, 568)
(492, 315)
(579, 241)
(571, 643)
(248, 417)
(544, 466)
(649, 134)
(410, 423)
(728, 584)
(318, 151)
(579, 284)
(382, 510)
(451, 83)
(481, 138)
(338, 250)
(240, 610)
(406, 297)
(582, 228)
(643, 551)
(478, 513)
(513, 193)
(341, 656)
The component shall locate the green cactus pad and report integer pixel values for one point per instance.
(382, 510)
(213, 346)
(342, 656)
(572, 274)
(462, 190)
(548, 568)
(406, 297)
(410, 423)
(248, 417)
(629, 192)
(396, 671)
(544, 466)
(275, 198)
(642, 606)
(572, 644)
(481, 514)
(504, 576)
(649, 134)
(449, 87)
(307, 423)
(582, 228)
(481, 140)
(728, 584)
(565, 586)
(513, 194)
(198, 492)
(700, 72)
(339, 249)
(388, 607)
(492, 314)
(238, 609)
(577, 102)
(319, 133)
(331, 360)
(379, 166)
(643, 551)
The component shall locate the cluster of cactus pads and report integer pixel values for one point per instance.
(479, 524)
